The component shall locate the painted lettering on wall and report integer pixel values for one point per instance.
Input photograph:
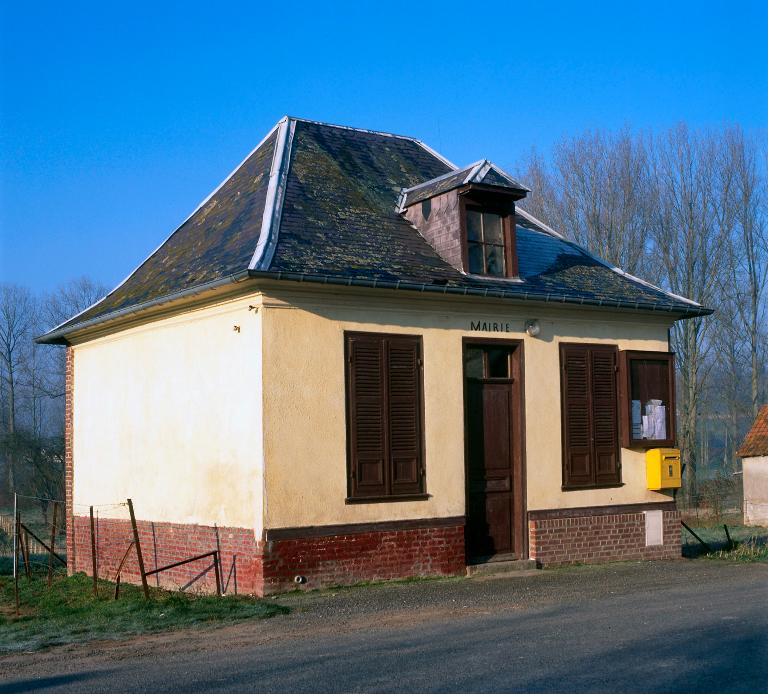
(490, 326)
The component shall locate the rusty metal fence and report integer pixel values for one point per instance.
(33, 542)
(33, 532)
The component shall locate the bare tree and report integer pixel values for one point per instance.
(545, 199)
(689, 231)
(605, 192)
(596, 192)
(32, 384)
(17, 315)
(748, 248)
(686, 210)
(71, 298)
(65, 302)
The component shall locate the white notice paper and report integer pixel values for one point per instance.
(655, 421)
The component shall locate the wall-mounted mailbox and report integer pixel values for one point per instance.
(662, 467)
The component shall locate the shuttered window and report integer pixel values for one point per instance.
(589, 383)
(384, 416)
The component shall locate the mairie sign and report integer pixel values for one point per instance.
(491, 326)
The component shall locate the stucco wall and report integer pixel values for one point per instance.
(755, 490)
(304, 408)
(169, 414)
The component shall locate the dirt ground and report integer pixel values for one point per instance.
(385, 609)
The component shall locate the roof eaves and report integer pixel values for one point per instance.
(672, 295)
(490, 292)
(59, 336)
(645, 283)
(273, 207)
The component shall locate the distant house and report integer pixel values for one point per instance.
(754, 455)
(356, 360)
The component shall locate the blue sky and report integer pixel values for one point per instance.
(118, 118)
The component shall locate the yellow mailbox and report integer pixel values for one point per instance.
(662, 468)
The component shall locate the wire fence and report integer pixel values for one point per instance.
(716, 500)
(33, 535)
(108, 543)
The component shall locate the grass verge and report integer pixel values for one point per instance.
(67, 612)
(749, 543)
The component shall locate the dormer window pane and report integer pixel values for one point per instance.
(474, 226)
(476, 263)
(494, 260)
(485, 243)
(492, 232)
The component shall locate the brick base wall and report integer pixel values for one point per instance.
(166, 543)
(269, 566)
(352, 557)
(600, 537)
(344, 555)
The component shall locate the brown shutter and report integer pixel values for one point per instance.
(605, 416)
(404, 394)
(577, 428)
(366, 416)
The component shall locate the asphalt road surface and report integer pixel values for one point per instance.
(686, 626)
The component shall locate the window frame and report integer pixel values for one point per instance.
(588, 348)
(625, 397)
(492, 204)
(353, 494)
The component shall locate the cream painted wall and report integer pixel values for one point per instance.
(755, 471)
(169, 414)
(304, 408)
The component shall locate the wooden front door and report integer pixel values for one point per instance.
(494, 450)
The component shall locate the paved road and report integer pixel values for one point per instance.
(637, 627)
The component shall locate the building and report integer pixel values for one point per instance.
(754, 464)
(357, 361)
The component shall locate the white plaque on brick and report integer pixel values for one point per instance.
(654, 528)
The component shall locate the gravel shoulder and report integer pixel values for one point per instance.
(396, 608)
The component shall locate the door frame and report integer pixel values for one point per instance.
(519, 481)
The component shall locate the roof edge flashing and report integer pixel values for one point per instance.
(58, 336)
(489, 292)
(273, 206)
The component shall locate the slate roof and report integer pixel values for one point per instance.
(481, 172)
(316, 202)
(756, 441)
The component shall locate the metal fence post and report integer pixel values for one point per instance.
(217, 570)
(15, 536)
(139, 556)
(52, 548)
(93, 557)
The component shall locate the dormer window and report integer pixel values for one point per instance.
(468, 215)
(489, 232)
(485, 243)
